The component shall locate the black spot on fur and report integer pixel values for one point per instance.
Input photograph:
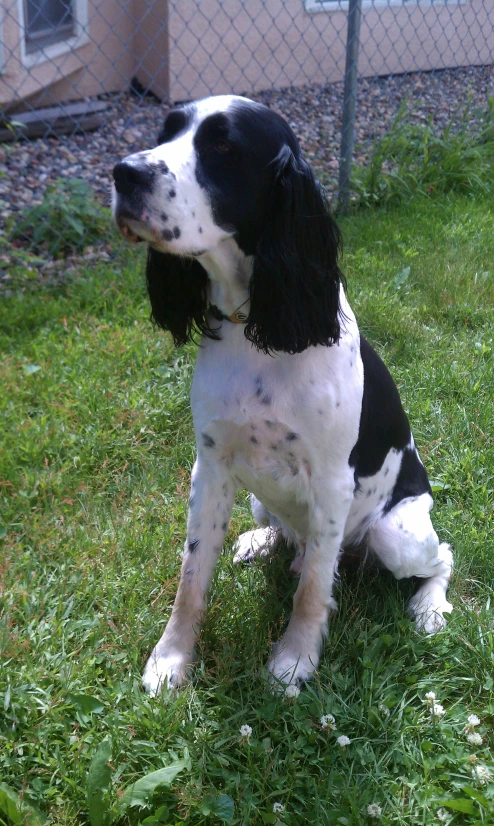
(193, 545)
(292, 436)
(292, 464)
(172, 193)
(176, 232)
(208, 440)
(224, 526)
(167, 234)
(411, 481)
(254, 440)
(164, 216)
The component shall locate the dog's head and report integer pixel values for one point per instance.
(228, 168)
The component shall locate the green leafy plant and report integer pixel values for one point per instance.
(412, 158)
(68, 219)
(138, 794)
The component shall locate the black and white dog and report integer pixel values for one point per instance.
(289, 401)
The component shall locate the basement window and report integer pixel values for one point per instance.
(52, 27)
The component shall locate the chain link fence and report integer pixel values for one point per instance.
(85, 82)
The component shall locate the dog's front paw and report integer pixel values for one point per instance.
(288, 667)
(167, 670)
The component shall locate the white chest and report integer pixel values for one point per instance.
(277, 421)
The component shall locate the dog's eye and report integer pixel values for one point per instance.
(222, 147)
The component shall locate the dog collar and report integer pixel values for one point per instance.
(237, 317)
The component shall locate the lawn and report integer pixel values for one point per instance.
(96, 453)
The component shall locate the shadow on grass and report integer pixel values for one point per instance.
(256, 604)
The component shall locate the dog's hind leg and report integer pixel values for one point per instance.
(407, 544)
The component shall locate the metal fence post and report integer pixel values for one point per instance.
(349, 103)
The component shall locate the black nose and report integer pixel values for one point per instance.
(132, 175)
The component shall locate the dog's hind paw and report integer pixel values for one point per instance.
(429, 616)
(251, 544)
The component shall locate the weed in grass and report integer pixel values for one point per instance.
(413, 158)
(95, 460)
(68, 219)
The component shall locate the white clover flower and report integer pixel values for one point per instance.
(245, 732)
(481, 773)
(472, 721)
(328, 722)
(442, 814)
(292, 691)
(373, 810)
(278, 808)
(430, 698)
(343, 740)
(384, 710)
(437, 711)
(474, 738)
(472, 758)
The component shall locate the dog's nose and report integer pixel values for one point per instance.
(130, 175)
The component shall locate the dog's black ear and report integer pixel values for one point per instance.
(294, 289)
(177, 291)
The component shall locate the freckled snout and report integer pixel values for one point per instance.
(138, 188)
(134, 179)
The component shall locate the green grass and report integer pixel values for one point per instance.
(96, 453)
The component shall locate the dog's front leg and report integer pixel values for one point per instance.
(210, 509)
(296, 655)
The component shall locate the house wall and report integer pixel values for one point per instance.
(103, 62)
(238, 46)
(190, 48)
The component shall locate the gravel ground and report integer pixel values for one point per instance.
(314, 112)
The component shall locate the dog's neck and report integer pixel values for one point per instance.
(229, 271)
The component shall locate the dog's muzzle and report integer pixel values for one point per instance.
(133, 180)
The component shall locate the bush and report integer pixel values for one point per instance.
(68, 219)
